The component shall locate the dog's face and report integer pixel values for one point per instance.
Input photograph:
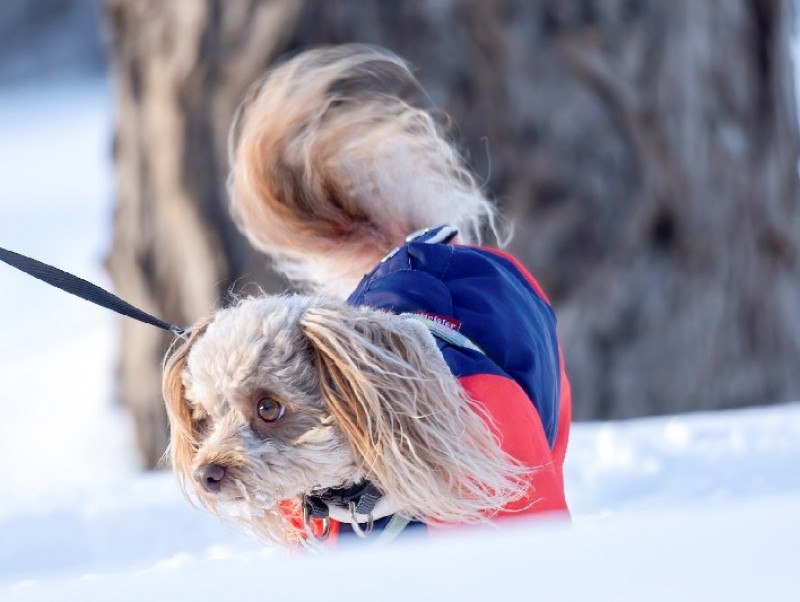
(263, 429)
(258, 429)
(277, 397)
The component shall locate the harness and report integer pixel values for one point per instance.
(359, 499)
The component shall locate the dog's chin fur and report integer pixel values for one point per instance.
(367, 395)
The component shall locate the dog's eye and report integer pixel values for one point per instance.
(270, 410)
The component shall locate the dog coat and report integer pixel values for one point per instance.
(517, 372)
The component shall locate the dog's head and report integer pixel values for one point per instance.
(277, 397)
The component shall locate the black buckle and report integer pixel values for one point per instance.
(364, 495)
(315, 507)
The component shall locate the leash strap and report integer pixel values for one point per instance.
(82, 288)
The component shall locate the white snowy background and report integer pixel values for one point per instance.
(695, 507)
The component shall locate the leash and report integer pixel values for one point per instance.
(87, 291)
(84, 289)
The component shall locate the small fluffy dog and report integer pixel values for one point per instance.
(301, 416)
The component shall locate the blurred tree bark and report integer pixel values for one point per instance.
(181, 68)
(646, 151)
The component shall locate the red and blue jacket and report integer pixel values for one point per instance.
(490, 298)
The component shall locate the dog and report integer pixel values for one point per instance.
(418, 380)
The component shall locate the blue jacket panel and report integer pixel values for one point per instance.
(497, 307)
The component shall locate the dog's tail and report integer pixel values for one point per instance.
(335, 161)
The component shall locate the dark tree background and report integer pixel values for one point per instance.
(646, 151)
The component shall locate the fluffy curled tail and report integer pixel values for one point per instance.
(333, 166)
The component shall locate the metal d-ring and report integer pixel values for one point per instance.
(326, 525)
(356, 527)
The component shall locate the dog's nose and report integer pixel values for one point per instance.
(210, 476)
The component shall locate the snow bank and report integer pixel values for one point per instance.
(745, 551)
(685, 507)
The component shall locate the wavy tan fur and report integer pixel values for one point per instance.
(406, 417)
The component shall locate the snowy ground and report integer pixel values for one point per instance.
(694, 507)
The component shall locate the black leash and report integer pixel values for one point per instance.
(82, 288)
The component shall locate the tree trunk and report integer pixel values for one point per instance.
(646, 151)
(181, 68)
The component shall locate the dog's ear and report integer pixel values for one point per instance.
(420, 439)
(183, 440)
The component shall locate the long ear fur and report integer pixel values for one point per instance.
(183, 441)
(421, 440)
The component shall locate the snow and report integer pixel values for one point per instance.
(694, 507)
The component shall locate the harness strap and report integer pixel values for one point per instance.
(445, 333)
(364, 496)
(393, 528)
(440, 234)
(360, 499)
